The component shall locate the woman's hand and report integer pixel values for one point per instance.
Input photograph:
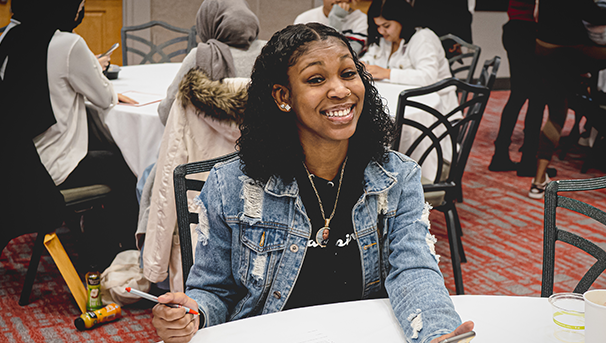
(123, 98)
(174, 325)
(463, 328)
(378, 73)
(104, 61)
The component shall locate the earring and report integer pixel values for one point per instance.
(285, 107)
(348, 93)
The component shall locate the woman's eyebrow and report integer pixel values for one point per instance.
(321, 63)
(311, 64)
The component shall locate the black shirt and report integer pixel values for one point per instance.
(560, 21)
(333, 273)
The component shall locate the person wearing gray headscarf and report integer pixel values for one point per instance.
(228, 32)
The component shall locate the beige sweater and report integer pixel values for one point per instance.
(203, 124)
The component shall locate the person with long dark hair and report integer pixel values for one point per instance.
(316, 209)
(400, 50)
(42, 59)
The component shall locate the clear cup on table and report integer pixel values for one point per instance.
(595, 316)
(568, 317)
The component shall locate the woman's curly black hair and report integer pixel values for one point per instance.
(269, 144)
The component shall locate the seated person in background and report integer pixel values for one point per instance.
(403, 53)
(103, 60)
(343, 17)
(228, 32)
(306, 166)
(202, 124)
(73, 156)
(26, 180)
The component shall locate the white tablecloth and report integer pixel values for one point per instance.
(498, 319)
(390, 93)
(138, 130)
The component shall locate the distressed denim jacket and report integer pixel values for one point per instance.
(252, 240)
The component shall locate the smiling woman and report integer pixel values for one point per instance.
(316, 209)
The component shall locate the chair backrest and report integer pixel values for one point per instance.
(551, 233)
(163, 49)
(459, 133)
(184, 217)
(488, 75)
(463, 66)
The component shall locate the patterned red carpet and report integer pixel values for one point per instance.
(503, 227)
(502, 239)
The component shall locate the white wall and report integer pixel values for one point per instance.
(276, 14)
(487, 29)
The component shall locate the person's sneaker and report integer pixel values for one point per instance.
(537, 190)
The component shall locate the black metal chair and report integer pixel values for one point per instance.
(488, 75)
(586, 100)
(29, 182)
(184, 217)
(442, 192)
(77, 201)
(551, 232)
(187, 35)
(463, 66)
(487, 78)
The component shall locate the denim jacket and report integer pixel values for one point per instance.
(252, 240)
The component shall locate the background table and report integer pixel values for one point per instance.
(138, 130)
(498, 319)
(390, 93)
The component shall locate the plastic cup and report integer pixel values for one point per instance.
(568, 317)
(595, 316)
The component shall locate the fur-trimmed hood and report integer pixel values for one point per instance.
(222, 100)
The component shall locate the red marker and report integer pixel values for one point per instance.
(155, 299)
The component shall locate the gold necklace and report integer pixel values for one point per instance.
(323, 233)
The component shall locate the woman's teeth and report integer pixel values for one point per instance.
(341, 113)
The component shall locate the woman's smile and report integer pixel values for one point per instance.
(340, 113)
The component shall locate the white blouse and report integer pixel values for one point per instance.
(419, 62)
(74, 74)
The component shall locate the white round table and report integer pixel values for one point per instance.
(137, 130)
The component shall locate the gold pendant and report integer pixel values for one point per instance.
(322, 236)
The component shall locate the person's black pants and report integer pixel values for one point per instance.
(111, 230)
(519, 41)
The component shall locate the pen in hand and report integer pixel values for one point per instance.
(155, 299)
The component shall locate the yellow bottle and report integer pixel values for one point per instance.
(106, 314)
